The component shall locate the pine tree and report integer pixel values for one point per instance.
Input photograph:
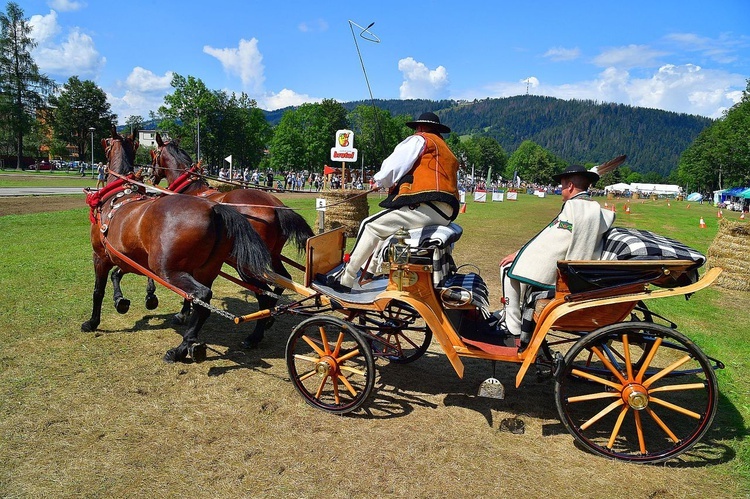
(22, 86)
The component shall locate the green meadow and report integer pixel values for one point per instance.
(101, 414)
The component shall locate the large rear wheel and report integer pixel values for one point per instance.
(330, 364)
(402, 335)
(636, 391)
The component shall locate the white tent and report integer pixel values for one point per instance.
(617, 187)
(656, 189)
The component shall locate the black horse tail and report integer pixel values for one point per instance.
(249, 250)
(294, 226)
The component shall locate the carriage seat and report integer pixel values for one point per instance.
(430, 245)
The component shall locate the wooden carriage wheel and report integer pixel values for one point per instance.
(636, 391)
(330, 364)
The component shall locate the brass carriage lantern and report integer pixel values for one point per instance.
(400, 249)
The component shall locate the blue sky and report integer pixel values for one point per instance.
(683, 56)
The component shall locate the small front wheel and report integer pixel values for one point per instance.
(330, 364)
(636, 391)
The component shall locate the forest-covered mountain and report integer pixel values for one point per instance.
(577, 131)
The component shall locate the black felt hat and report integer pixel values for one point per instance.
(577, 170)
(429, 119)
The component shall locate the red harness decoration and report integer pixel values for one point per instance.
(184, 180)
(95, 199)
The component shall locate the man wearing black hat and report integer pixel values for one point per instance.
(422, 177)
(575, 234)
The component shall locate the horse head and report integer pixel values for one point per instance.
(168, 160)
(120, 152)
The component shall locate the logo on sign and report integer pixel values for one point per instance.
(344, 149)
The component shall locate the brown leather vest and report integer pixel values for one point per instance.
(434, 177)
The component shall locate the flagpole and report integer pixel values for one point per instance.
(229, 159)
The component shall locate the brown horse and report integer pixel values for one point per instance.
(183, 240)
(274, 222)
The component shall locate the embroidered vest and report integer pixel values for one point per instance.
(434, 177)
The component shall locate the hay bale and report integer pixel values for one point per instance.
(730, 250)
(345, 208)
(221, 186)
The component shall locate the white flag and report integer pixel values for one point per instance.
(228, 159)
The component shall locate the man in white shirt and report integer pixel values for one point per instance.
(422, 177)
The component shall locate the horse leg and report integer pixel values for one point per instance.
(190, 347)
(265, 302)
(122, 305)
(181, 317)
(151, 299)
(101, 269)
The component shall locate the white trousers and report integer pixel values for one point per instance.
(514, 292)
(376, 228)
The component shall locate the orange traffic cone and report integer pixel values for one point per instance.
(606, 205)
(462, 209)
(669, 205)
(719, 214)
(742, 217)
(703, 223)
(627, 209)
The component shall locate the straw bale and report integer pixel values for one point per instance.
(221, 186)
(345, 208)
(730, 250)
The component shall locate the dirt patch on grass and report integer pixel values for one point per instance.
(23, 205)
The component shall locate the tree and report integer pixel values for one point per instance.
(534, 164)
(22, 86)
(134, 123)
(486, 156)
(187, 113)
(80, 106)
(377, 132)
(720, 155)
(304, 137)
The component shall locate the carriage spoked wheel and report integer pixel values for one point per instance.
(636, 391)
(399, 334)
(330, 364)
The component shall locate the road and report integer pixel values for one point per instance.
(39, 191)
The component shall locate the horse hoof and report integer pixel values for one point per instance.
(152, 302)
(122, 305)
(175, 355)
(88, 327)
(197, 352)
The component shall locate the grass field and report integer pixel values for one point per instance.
(100, 414)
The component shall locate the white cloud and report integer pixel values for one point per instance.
(680, 88)
(629, 57)
(245, 61)
(420, 82)
(722, 49)
(144, 91)
(316, 26)
(282, 99)
(66, 5)
(74, 55)
(563, 54)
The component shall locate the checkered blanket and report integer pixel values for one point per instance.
(474, 284)
(436, 238)
(633, 244)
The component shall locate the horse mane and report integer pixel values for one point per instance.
(121, 163)
(179, 155)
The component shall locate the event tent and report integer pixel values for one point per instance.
(667, 189)
(617, 187)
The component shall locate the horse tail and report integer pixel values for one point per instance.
(294, 226)
(249, 250)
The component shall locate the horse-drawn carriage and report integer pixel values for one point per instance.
(628, 385)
